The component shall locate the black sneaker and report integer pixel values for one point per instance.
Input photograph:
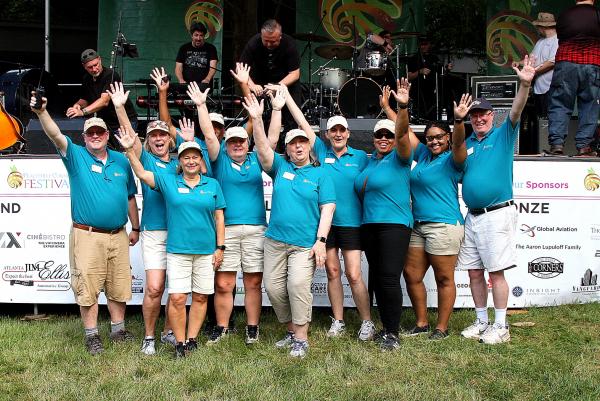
(555, 150)
(121, 335)
(439, 334)
(179, 351)
(93, 344)
(191, 345)
(416, 330)
(379, 337)
(390, 342)
(217, 334)
(251, 334)
(208, 328)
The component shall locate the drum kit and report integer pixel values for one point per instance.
(353, 93)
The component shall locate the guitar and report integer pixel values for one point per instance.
(11, 129)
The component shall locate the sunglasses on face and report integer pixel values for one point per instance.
(91, 134)
(477, 115)
(438, 137)
(384, 134)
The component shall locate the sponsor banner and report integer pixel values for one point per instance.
(557, 239)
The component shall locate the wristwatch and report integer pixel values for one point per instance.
(221, 247)
(323, 239)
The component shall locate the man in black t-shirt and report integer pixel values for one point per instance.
(196, 60)
(273, 59)
(95, 100)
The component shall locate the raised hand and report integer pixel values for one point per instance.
(526, 73)
(278, 101)
(157, 75)
(126, 137)
(253, 107)
(196, 94)
(33, 101)
(186, 127)
(463, 107)
(384, 99)
(117, 94)
(242, 73)
(402, 91)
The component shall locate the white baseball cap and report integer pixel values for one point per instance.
(294, 133)
(337, 120)
(216, 118)
(385, 124)
(188, 145)
(157, 125)
(236, 132)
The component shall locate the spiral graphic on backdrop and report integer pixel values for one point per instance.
(208, 12)
(372, 17)
(510, 36)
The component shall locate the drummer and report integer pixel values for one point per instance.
(382, 43)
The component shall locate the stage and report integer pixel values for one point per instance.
(558, 239)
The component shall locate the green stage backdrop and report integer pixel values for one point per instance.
(339, 16)
(510, 32)
(158, 28)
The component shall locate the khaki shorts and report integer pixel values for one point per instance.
(99, 261)
(154, 249)
(438, 238)
(244, 246)
(190, 273)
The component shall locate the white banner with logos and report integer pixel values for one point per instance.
(558, 237)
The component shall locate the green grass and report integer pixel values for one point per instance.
(557, 359)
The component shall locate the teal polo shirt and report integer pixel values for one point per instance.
(488, 178)
(298, 192)
(190, 213)
(154, 212)
(434, 187)
(386, 195)
(99, 192)
(343, 171)
(202, 144)
(242, 186)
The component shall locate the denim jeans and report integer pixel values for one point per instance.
(572, 82)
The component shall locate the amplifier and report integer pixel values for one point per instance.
(39, 144)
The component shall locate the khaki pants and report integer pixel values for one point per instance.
(99, 261)
(287, 277)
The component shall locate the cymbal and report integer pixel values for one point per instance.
(341, 52)
(309, 37)
(402, 34)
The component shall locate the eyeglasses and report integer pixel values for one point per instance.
(90, 133)
(437, 137)
(384, 134)
(476, 115)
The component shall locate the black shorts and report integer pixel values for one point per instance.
(345, 238)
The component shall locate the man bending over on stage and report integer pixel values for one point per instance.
(491, 222)
(95, 100)
(102, 197)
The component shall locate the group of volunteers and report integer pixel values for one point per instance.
(204, 216)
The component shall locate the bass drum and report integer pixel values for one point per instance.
(17, 86)
(359, 98)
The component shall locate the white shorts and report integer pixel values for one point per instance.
(244, 248)
(489, 241)
(154, 249)
(190, 273)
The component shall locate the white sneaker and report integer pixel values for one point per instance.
(299, 349)
(337, 328)
(168, 338)
(285, 342)
(495, 334)
(148, 346)
(475, 330)
(367, 330)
